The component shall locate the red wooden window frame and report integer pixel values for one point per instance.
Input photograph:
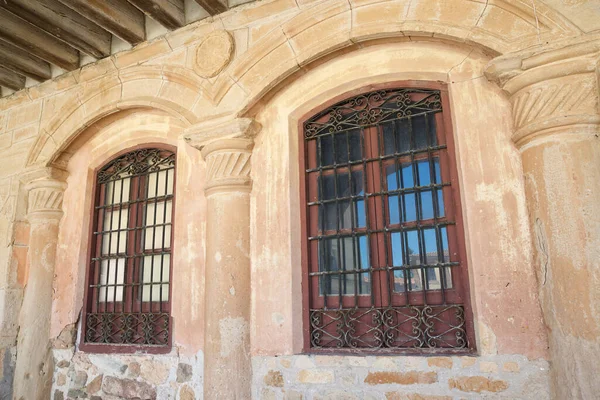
(135, 233)
(378, 217)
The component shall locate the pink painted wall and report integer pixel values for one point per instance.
(94, 148)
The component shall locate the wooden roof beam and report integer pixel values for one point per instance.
(213, 7)
(11, 79)
(23, 63)
(118, 17)
(64, 23)
(36, 41)
(168, 13)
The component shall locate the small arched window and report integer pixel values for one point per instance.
(384, 265)
(128, 291)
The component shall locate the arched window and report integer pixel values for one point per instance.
(128, 292)
(385, 260)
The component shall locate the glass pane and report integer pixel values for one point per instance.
(115, 241)
(391, 177)
(426, 204)
(346, 214)
(407, 176)
(389, 138)
(355, 145)
(341, 148)
(419, 128)
(431, 257)
(157, 214)
(344, 254)
(398, 261)
(414, 258)
(117, 191)
(326, 150)
(360, 214)
(432, 129)
(446, 256)
(327, 187)
(112, 273)
(403, 135)
(330, 216)
(163, 186)
(424, 172)
(410, 207)
(155, 278)
(394, 209)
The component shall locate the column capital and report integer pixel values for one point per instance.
(45, 189)
(552, 89)
(226, 146)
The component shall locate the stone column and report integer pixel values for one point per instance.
(227, 149)
(554, 93)
(34, 368)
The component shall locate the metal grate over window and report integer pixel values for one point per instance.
(128, 293)
(384, 258)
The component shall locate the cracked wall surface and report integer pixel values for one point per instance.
(288, 57)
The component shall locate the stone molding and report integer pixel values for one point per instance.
(551, 90)
(213, 54)
(226, 146)
(45, 190)
(44, 200)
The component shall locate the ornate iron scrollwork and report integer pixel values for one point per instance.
(418, 327)
(373, 108)
(136, 163)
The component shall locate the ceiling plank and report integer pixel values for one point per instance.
(213, 7)
(37, 42)
(64, 23)
(168, 13)
(116, 16)
(11, 79)
(23, 63)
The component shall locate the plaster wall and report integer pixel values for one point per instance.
(75, 371)
(80, 119)
(568, 264)
(507, 315)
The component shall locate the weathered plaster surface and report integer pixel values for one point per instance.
(500, 260)
(289, 57)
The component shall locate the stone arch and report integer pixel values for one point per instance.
(494, 26)
(173, 90)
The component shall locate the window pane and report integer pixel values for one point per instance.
(426, 205)
(341, 148)
(157, 216)
(339, 255)
(325, 149)
(446, 257)
(355, 145)
(112, 277)
(431, 257)
(114, 241)
(414, 258)
(160, 183)
(403, 135)
(389, 138)
(155, 278)
(419, 128)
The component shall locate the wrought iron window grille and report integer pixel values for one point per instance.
(384, 265)
(127, 299)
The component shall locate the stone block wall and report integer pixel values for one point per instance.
(304, 377)
(170, 376)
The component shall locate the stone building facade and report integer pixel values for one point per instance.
(230, 93)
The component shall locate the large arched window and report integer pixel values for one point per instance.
(385, 260)
(127, 298)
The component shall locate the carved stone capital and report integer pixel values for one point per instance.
(44, 188)
(44, 199)
(552, 90)
(226, 146)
